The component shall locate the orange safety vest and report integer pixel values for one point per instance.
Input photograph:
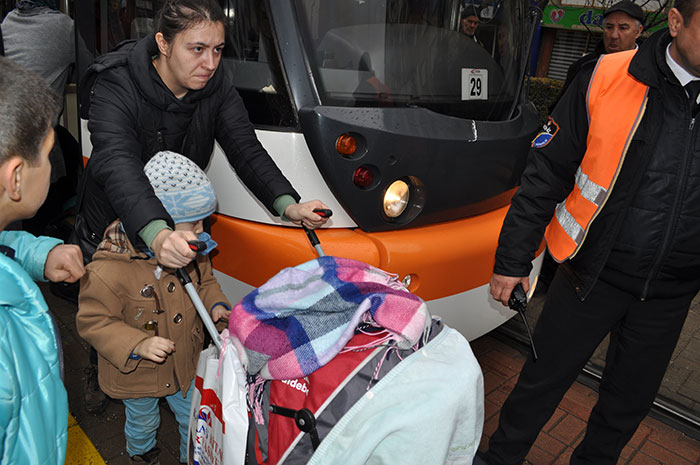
(616, 102)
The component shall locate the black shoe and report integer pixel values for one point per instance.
(95, 400)
(149, 458)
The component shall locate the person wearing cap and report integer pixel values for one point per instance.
(623, 23)
(468, 24)
(138, 316)
(613, 184)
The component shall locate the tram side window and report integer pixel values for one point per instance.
(251, 63)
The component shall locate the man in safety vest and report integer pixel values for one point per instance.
(622, 25)
(614, 178)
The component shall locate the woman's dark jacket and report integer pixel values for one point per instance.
(133, 115)
(646, 239)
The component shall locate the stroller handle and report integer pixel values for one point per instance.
(313, 238)
(197, 301)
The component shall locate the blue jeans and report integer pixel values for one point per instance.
(143, 419)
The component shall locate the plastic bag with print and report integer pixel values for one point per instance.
(219, 415)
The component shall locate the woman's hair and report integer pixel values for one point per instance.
(27, 109)
(178, 15)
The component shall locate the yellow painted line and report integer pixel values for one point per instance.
(80, 450)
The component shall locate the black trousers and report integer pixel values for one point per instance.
(643, 337)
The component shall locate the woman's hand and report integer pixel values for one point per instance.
(171, 248)
(303, 214)
(155, 349)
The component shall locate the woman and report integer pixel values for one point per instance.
(166, 92)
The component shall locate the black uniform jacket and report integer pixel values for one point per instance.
(133, 115)
(646, 239)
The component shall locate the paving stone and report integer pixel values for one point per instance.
(688, 448)
(662, 454)
(569, 429)
(662, 433)
(557, 416)
(498, 397)
(642, 433)
(564, 457)
(676, 375)
(627, 452)
(550, 444)
(503, 363)
(641, 458)
(691, 387)
(490, 426)
(578, 405)
(538, 456)
(492, 381)
(490, 409)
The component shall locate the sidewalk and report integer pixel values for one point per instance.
(654, 442)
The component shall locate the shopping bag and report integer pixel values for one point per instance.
(218, 417)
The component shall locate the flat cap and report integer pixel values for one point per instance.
(628, 7)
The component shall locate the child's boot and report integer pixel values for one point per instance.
(149, 458)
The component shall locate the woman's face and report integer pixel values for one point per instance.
(191, 58)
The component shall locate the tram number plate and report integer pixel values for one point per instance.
(475, 84)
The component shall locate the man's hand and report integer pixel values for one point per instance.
(171, 248)
(155, 349)
(303, 213)
(64, 263)
(502, 286)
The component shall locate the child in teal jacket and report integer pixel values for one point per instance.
(33, 400)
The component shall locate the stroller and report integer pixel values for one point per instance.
(345, 366)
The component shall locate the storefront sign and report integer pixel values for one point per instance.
(578, 18)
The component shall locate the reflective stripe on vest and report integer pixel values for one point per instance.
(615, 102)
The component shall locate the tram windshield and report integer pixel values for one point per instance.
(415, 53)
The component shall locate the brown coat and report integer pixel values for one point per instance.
(112, 313)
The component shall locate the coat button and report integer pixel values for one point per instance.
(177, 318)
(171, 287)
(167, 385)
(147, 291)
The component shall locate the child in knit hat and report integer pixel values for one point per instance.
(139, 318)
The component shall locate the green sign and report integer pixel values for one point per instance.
(580, 18)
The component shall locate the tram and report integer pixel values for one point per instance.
(414, 134)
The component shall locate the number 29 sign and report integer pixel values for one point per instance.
(475, 84)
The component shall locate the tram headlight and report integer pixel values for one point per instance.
(396, 198)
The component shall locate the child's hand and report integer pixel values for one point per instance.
(155, 349)
(64, 263)
(219, 312)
